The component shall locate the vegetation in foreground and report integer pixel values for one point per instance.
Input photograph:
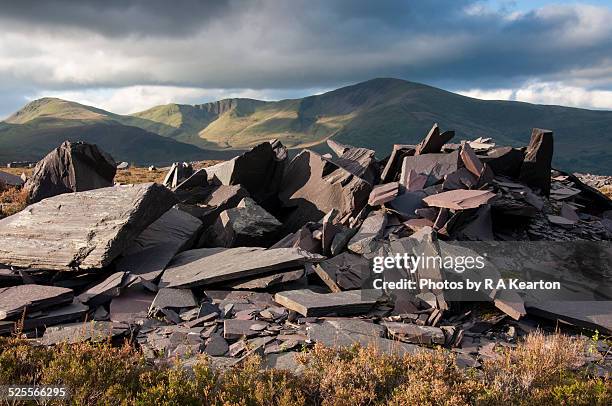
(542, 370)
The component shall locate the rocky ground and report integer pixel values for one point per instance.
(262, 255)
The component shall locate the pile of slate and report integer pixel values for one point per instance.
(263, 254)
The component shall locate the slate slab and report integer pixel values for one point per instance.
(588, 314)
(234, 329)
(210, 265)
(81, 230)
(460, 199)
(48, 317)
(168, 298)
(132, 303)
(268, 280)
(10, 179)
(309, 303)
(346, 333)
(371, 230)
(345, 271)
(94, 331)
(412, 333)
(436, 166)
(149, 254)
(29, 298)
(103, 291)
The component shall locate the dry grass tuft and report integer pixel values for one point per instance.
(12, 200)
(542, 370)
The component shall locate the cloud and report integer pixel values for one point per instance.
(187, 48)
(556, 93)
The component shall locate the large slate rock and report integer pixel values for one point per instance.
(71, 167)
(313, 185)
(259, 171)
(149, 254)
(82, 230)
(537, 164)
(436, 166)
(10, 179)
(247, 224)
(434, 141)
(210, 265)
(17, 299)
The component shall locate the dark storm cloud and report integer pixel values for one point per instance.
(117, 17)
(300, 44)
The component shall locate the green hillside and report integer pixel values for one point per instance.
(381, 112)
(374, 114)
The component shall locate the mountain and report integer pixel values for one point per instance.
(375, 114)
(44, 124)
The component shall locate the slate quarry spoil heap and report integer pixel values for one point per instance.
(265, 254)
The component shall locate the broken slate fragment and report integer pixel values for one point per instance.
(167, 298)
(346, 271)
(81, 230)
(216, 346)
(412, 181)
(371, 230)
(459, 199)
(247, 224)
(309, 303)
(412, 333)
(210, 265)
(16, 300)
(103, 291)
(382, 194)
(360, 162)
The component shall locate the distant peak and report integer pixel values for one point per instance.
(53, 107)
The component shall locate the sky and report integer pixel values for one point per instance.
(129, 55)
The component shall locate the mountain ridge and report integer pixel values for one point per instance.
(375, 114)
